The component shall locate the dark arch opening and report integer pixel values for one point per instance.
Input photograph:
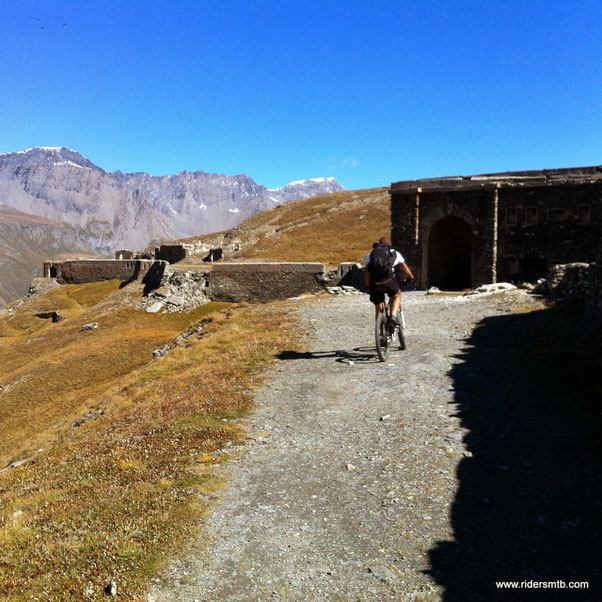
(450, 254)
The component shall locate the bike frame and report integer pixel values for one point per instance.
(386, 329)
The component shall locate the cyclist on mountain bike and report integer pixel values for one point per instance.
(383, 268)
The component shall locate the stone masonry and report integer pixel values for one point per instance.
(182, 290)
(461, 232)
(264, 281)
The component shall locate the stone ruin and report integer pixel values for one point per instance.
(80, 271)
(129, 254)
(213, 250)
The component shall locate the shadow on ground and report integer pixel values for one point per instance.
(528, 504)
(360, 355)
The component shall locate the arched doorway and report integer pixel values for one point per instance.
(450, 254)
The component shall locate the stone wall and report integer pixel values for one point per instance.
(522, 223)
(414, 214)
(543, 226)
(262, 281)
(94, 270)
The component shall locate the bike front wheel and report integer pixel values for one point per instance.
(383, 340)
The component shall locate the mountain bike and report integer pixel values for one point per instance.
(385, 330)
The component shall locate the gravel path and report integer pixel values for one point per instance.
(348, 481)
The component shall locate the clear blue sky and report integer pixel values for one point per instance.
(368, 92)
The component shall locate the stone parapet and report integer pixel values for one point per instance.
(350, 273)
(264, 281)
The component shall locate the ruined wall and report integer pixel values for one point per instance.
(171, 253)
(94, 270)
(263, 282)
(125, 254)
(567, 281)
(543, 226)
(578, 283)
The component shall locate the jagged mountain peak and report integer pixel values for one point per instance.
(54, 155)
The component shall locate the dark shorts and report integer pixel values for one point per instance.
(377, 291)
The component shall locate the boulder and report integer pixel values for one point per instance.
(55, 316)
(490, 289)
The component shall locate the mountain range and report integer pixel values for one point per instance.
(133, 210)
(82, 208)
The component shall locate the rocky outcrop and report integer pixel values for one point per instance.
(179, 290)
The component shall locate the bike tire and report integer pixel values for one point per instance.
(383, 341)
(401, 333)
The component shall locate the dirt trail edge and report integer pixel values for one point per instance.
(349, 477)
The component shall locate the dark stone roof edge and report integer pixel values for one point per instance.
(507, 179)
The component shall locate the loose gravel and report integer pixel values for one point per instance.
(350, 471)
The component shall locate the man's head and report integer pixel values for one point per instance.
(385, 239)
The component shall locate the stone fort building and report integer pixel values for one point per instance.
(461, 232)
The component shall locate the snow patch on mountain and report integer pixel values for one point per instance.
(308, 182)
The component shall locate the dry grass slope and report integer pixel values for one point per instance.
(110, 498)
(329, 228)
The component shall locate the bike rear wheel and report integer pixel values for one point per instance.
(400, 332)
(383, 340)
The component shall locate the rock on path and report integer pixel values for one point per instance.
(349, 479)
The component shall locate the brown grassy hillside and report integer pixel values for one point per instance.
(122, 445)
(328, 228)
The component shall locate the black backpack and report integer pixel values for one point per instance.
(382, 258)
